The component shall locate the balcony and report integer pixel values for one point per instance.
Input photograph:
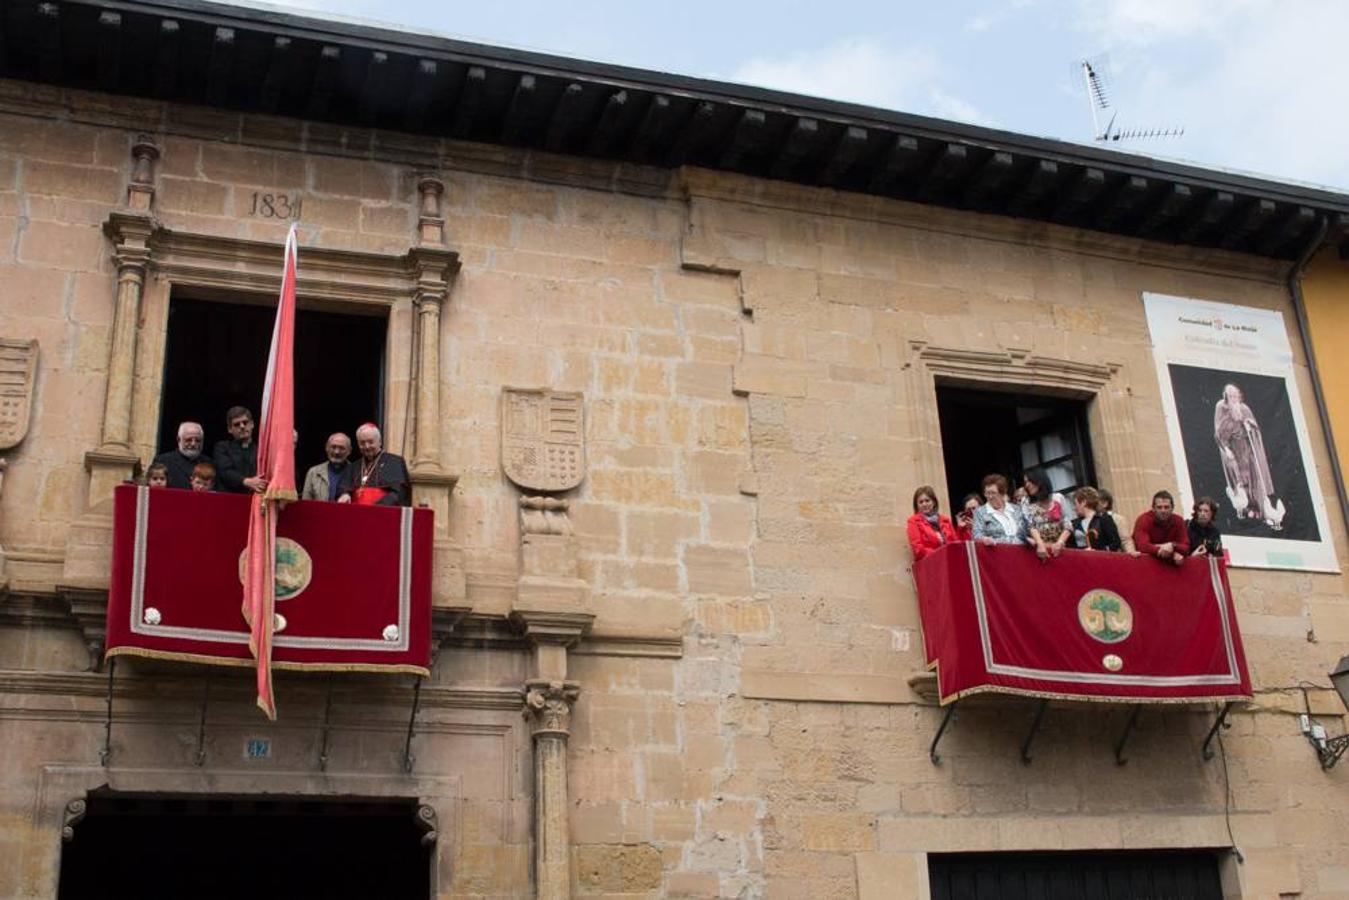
(1087, 626)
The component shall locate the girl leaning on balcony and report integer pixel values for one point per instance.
(929, 530)
(998, 520)
(1093, 529)
(1047, 514)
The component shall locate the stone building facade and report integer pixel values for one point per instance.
(702, 675)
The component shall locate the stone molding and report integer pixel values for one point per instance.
(1112, 415)
(560, 628)
(700, 184)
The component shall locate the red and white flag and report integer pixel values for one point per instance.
(276, 464)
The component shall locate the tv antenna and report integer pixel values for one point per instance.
(1096, 81)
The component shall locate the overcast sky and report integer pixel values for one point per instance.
(1257, 85)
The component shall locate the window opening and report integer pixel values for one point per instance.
(1106, 875)
(215, 357)
(1008, 432)
(152, 846)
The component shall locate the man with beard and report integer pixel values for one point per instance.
(321, 482)
(236, 460)
(179, 462)
(377, 478)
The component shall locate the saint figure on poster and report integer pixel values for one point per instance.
(1245, 465)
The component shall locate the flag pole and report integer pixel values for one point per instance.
(276, 468)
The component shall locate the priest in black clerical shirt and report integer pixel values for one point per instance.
(179, 463)
(376, 478)
(236, 460)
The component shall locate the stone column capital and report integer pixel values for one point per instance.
(548, 706)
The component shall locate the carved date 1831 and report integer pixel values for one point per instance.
(275, 206)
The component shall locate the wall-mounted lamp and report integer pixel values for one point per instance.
(1329, 749)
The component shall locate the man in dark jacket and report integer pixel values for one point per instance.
(236, 460)
(377, 478)
(179, 462)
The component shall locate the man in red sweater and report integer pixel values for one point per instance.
(1161, 533)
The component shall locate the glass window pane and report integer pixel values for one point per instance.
(1062, 476)
(1054, 446)
(1030, 454)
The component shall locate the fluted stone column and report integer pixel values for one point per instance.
(130, 235)
(548, 706)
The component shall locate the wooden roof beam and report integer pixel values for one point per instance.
(48, 38)
(280, 65)
(1079, 193)
(610, 125)
(1256, 215)
(990, 181)
(219, 65)
(847, 151)
(1029, 197)
(1209, 215)
(166, 58)
(109, 47)
(325, 81)
(566, 117)
(941, 177)
(802, 144)
(522, 112)
(900, 162)
(1167, 210)
(374, 85)
(426, 83)
(470, 101)
(1285, 230)
(746, 139)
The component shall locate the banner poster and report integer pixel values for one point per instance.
(1237, 430)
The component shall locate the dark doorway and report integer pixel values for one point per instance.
(216, 357)
(1006, 432)
(165, 846)
(1126, 875)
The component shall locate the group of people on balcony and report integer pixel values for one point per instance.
(1038, 517)
(375, 478)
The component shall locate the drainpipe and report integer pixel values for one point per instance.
(1300, 309)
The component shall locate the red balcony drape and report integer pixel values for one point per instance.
(353, 582)
(1087, 625)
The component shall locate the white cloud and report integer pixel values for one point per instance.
(862, 70)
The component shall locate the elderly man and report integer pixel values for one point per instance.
(322, 481)
(236, 460)
(179, 462)
(1160, 532)
(377, 478)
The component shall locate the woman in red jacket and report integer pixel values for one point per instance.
(929, 531)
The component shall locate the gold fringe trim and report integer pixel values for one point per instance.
(203, 659)
(286, 496)
(1125, 701)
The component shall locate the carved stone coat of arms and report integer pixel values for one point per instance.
(18, 366)
(543, 438)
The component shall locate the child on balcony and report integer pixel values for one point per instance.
(203, 477)
(157, 475)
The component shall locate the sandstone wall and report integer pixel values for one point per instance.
(758, 362)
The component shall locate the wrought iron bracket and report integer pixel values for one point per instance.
(1220, 722)
(408, 758)
(932, 753)
(200, 759)
(327, 729)
(1124, 737)
(1034, 728)
(106, 753)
